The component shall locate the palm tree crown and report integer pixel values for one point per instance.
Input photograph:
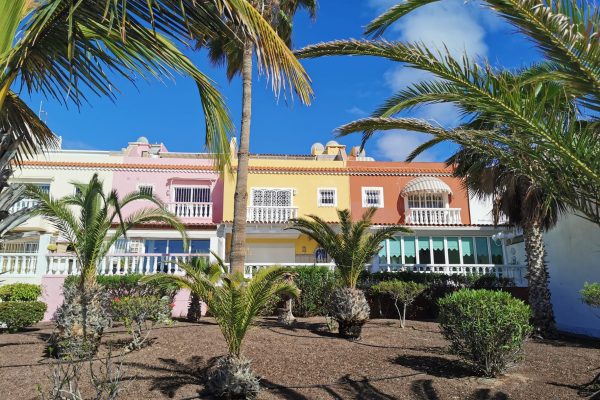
(353, 246)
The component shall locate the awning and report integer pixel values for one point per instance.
(426, 185)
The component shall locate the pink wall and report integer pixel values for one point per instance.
(125, 181)
(52, 295)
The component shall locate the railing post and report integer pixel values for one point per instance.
(41, 266)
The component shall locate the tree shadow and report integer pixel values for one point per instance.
(435, 366)
(589, 390)
(175, 374)
(423, 390)
(317, 328)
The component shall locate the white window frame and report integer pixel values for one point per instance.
(139, 185)
(364, 197)
(319, 198)
(286, 189)
(173, 187)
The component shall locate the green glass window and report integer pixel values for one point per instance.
(424, 254)
(439, 256)
(395, 253)
(483, 255)
(382, 253)
(453, 250)
(497, 254)
(410, 254)
(468, 254)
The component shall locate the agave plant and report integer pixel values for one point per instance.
(352, 248)
(85, 220)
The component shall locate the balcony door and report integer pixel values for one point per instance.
(271, 197)
(191, 194)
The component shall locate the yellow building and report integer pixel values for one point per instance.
(281, 187)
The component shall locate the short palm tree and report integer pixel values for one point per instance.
(238, 57)
(199, 276)
(352, 248)
(85, 220)
(565, 31)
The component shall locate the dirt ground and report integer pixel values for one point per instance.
(308, 362)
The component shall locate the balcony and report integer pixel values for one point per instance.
(22, 204)
(433, 216)
(271, 215)
(191, 210)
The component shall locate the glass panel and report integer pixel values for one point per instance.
(467, 251)
(395, 253)
(483, 255)
(200, 246)
(439, 257)
(156, 246)
(424, 254)
(410, 255)
(497, 255)
(453, 250)
(382, 254)
(176, 246)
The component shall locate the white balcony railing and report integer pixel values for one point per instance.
(18, 264)
(121, 264)
(191, 210)
(251, 268)
(21, 204)
(273, 215)
(433, 216)
(516, 272)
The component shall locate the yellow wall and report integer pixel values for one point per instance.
(305, 185)
(304, 245)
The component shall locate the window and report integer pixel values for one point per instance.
(175, 246)
(467, 250)
(192, 194)
(146, 189)
(483, 255)
(424, 254)
(383, 253)
(439, 255)
(327, 197)
(497, 256)
(426, 200)
(453, 250)
(372, 197)
(272, 197)
(410, 255)
(44, 187)
(395, 252)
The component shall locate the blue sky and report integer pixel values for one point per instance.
(345, 88)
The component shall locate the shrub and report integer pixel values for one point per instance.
(20, 292)
(140, 314)
(399, 291)
(118, 286)
(590, 294)
(17, 315)
(486, 328)
(316, 285)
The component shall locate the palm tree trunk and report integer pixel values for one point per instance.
(537, 275)
(238, 235)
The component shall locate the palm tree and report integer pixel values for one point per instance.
(566, 32)
(235, 302)
(198, 273)
(352, 248)
(238, 58)
(85, 220)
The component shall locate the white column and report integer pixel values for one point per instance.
(217, 245)
(41, 266)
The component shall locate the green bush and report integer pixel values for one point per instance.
(118, 286)
(315, 284)
(590, 294)
(401, 292)
(140, 314)
(20, 292)
(17, 315)
(486, 328)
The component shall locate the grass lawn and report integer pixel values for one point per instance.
(307, 362)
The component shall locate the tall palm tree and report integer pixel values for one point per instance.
(566, 32)
(85, 220)
(238, 57)
(352, 248)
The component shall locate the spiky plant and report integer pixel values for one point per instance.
(352, 248)
(199, 276)
(85, 220)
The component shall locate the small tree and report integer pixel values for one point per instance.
(400, 292)
(590, 294)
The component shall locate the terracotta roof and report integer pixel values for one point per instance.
(35, 163)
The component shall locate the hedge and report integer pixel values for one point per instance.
(119, 286)
(20, 292)
(17, 315)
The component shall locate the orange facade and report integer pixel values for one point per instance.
(393, 178)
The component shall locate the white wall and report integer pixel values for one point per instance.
(480, 210)
(573, 257)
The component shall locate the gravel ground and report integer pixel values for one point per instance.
(308, 362)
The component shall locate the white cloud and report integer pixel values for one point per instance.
(397, 145)
(357, 111)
